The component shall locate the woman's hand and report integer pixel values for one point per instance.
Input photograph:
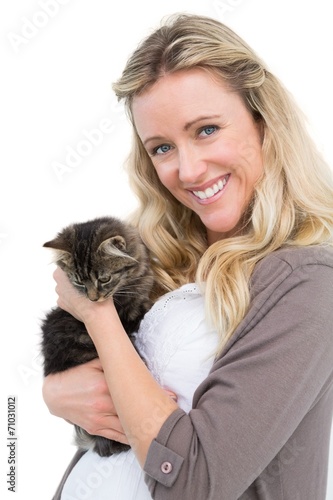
(76, 303)
(80, 395)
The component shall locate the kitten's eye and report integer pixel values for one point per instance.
(105, 279)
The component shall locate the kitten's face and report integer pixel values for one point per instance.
(97, 266)
(108, 275)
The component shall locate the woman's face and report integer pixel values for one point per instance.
(204, 145)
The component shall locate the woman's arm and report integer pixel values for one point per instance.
(140, 403)
(264, 412)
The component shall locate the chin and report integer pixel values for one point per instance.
(217, 232)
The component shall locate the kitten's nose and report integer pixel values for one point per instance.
(93, 295)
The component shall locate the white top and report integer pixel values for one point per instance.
(178, 347)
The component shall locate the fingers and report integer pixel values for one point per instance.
(109, 427)
(60, 277)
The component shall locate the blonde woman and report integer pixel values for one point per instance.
(236, 206)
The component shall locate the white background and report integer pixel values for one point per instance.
(56, 73)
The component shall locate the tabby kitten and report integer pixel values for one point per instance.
(103, 257)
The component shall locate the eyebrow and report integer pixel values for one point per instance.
(186, 127)
(199, 119)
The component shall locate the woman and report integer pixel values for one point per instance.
(233, 197)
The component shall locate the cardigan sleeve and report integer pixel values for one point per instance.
(273, 371)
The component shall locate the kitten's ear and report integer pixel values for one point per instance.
(58, 243)
(62, 251)
(115, 245)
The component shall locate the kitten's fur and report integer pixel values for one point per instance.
(103, 257)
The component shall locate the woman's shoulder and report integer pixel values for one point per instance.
(286, 260)
(296, 256)
(288, 281)
(307, 268)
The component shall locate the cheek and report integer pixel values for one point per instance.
(167, 175)
(247, 161)
(224, 154)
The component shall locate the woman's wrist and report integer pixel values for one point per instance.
(98, 315)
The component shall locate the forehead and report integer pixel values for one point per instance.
(183, 96)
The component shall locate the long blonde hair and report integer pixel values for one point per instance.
(292, 204)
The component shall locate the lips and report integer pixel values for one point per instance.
(211, 191)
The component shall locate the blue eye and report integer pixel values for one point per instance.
(209, 130)
(161, 150)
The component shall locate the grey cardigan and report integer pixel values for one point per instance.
(260, 424)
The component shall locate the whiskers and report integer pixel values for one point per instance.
(132, 291)
(128, 290)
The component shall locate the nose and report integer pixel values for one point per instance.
(92, 294)
(192, 167)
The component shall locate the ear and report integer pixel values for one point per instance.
(116, 245)
(63, 256)
(58, 243)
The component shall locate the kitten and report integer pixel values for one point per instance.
(103, 257)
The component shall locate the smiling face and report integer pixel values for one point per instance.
(204, 144)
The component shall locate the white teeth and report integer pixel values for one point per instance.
(211, 191)
(200, 195)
